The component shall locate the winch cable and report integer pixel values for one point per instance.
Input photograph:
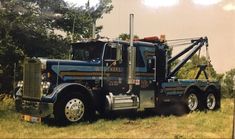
(178, 44)
(208, 59)
(198, 62)
(183, 39)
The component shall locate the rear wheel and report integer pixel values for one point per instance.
(192, 100)
(211, 99)
(71, 108)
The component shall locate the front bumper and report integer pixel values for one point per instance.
(34, 108)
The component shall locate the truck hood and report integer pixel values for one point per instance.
(51, 62)
(61, 67)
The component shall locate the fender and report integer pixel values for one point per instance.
(213, 86)
(62, 87)
(192, 86)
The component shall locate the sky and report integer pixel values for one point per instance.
(177, 19)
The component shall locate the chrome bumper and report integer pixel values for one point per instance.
(34, 108)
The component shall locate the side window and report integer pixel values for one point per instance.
(81, 54)
(150, 64)
(139, 58)
(110, 53)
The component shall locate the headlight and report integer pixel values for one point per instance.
(20, 84)
(45, 87)
(45, 76)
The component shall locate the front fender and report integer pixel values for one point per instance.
(60, 88)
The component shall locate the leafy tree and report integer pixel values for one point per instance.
(190, 69)
(27, 28)
(228, 85)
(126, 37)
(9, 54)
(78, 21)
(49, 5)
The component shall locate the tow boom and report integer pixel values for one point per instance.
(196, 46)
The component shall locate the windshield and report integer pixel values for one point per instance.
(88, 51)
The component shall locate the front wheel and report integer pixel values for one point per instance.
(74, 110)
(71, 108)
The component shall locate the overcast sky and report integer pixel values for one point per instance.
(178, 19)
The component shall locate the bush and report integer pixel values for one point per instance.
(228, 85)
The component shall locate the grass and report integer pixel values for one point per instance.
(217, 124)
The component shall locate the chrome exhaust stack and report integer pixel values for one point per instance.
(131, 56)
(127, 100)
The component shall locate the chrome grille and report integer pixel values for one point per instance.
(32, 79)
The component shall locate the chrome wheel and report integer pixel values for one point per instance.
(192, 102)
(210, 101)
(74, 110)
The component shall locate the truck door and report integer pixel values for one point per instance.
(148, 78)
(115, 69)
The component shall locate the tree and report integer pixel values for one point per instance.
(190, 69)
(228, 85)
(9, 54)
(126, 37)
(78, 21)
(27, 28)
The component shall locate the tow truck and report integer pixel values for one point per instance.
(108, 76)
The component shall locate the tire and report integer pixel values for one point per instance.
(193, 100)
(71, 108)
(211, 99)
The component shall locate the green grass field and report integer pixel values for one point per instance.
(216, 124)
